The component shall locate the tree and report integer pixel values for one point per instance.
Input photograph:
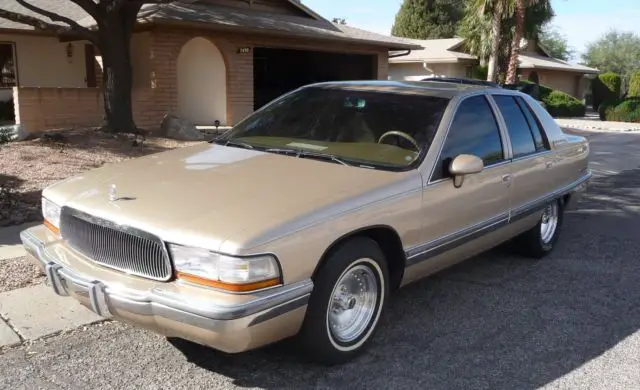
(339, 21)
(614, 51)
(489, 28)
(115, 20)
(496, 11)
(428, 19)
(556, 43)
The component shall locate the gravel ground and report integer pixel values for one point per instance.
(497, 321)
(18, 273)
(33, 165)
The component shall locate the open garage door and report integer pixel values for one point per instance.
(278, 71)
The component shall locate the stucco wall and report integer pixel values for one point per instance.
(43, 61)
(414, 70)
(564, 81)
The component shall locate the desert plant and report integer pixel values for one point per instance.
(6, 135)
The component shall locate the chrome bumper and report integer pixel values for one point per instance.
(210, 323)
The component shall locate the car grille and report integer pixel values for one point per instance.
(122, 248)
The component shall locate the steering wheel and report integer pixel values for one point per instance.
(402, 135)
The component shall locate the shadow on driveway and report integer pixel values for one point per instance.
(496, 321)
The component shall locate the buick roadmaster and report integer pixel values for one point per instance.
(303, 218)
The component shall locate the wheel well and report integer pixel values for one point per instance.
(390, 244)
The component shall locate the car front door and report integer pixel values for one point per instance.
(454, 216)
(532, 156)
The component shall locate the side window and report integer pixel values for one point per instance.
(534, 125)
(521, 138)
(474, 130)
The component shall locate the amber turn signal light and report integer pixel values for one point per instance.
(51, 227)
(229, 286)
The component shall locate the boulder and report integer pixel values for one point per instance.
(176, 127)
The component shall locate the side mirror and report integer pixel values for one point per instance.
(464, 164)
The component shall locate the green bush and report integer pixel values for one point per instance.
(626, 111)
(480, 72)
(634, 85)
(560, 104)
(606, 88)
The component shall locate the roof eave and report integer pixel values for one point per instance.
(209, 26)
(572, 70)
(454, 60)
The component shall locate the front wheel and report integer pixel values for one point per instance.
(540, 240)
(350, 293)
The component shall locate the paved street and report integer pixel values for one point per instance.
(570, 321)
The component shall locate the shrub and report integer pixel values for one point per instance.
(480, 72)
(626, 111)
(634, 85)
(605, 88)
(560, 104)
(6, 135)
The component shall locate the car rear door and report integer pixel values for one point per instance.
(455, 216)
(532, 157)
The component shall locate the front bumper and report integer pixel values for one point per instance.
(192, 313)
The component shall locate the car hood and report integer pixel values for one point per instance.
(204, 194)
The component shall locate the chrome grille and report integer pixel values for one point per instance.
(115, 246)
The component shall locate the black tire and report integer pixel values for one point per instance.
(531, 242)
(319, 343)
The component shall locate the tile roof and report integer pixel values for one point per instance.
(435, 50)
(60, 7)
(231, 18)
(215, 16)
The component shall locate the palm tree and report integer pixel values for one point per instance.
(491, 29)
(544, 8)
(497, 11)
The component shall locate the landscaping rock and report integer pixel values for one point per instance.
(179, 128)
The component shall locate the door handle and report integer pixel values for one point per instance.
(506, 178)
(549, 164)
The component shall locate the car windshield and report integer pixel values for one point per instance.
(382, 129)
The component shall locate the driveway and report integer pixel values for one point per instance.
(497, 321)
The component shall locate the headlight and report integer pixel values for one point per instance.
(51, 214)
(226, 272)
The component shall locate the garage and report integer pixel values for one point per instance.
(278, 71)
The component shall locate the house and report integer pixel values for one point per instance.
(207, 60)
(448, 57)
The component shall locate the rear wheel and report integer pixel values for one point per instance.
(350, 291)
(540, 240)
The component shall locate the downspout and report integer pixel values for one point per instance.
(400, 54)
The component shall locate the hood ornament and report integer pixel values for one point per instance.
(113, 193)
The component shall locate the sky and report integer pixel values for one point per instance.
(581, 21)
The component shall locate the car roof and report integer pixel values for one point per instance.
(426, 88)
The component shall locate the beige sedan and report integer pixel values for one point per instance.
(303, 218)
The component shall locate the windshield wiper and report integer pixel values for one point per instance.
(302, 153)
(233, 144)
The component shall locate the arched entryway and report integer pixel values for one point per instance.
(202, 83)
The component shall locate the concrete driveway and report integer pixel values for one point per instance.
(497, 321)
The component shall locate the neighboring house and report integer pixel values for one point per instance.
(208, 60)
(447, 57)
(438, 57)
